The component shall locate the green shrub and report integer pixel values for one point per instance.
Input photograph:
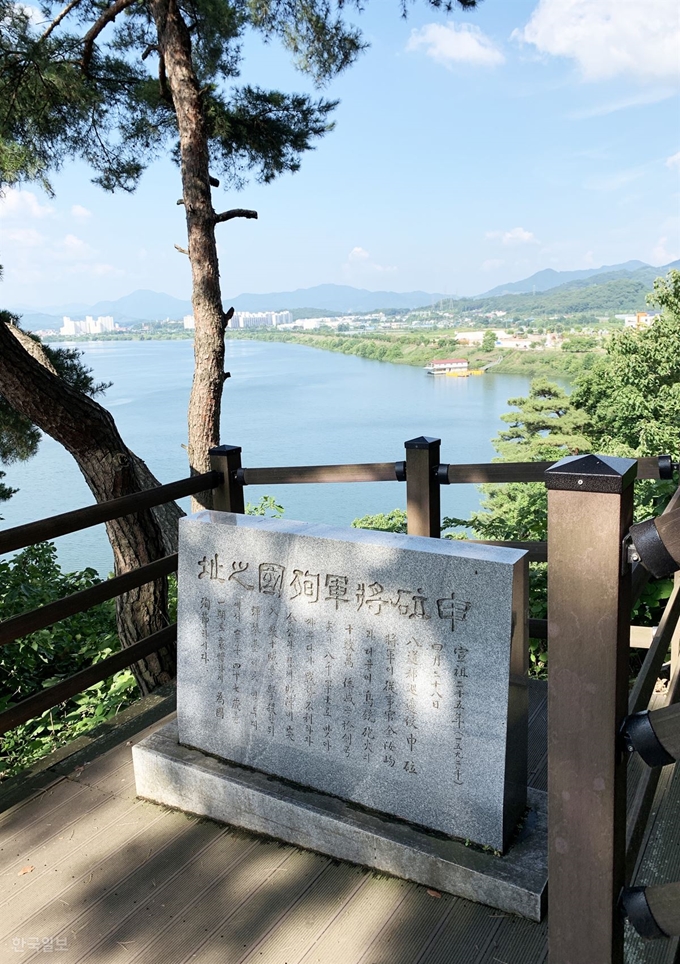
(29, 580)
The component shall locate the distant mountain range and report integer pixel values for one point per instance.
(144, 305)
(611, 290)
(549, 278)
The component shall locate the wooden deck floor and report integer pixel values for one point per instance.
(96, 875)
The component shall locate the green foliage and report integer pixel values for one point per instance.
(579, 343)
(633, 394)
(266, 504)
(394, 521)
(489, 341)
(29, 580)
(546, 426)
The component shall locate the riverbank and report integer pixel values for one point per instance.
(414, 349)
(418, 348)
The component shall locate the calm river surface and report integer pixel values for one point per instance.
(284, 405)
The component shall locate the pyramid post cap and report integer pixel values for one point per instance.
(224, 449)
(422, 442)
(591, 473)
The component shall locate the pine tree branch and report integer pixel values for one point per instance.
(234, 213)
(57, 20)
(181, 250)
(106, 18)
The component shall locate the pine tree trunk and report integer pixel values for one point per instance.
(89, 433)
(174, 43)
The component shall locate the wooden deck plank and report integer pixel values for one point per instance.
(97, 769)
(58, 810)
(517, 941)
(306, 920)
(69, 869)
(130, 918)
(410, 929)
(464, 936)
(41, 803)
(363, 916)
(138, 883)
(216, 904)
(233, 937)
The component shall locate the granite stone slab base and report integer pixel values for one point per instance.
(171, 774)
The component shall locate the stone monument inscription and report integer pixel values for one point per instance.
(387, 670)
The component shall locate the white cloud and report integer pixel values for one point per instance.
(80, 213)
(491, 263)
(358, 255)
(673, 160)
(23, 204)
(360, 263)
(661, 254)
(456, 43)
(24, 237)
(513, 236)
(73, 248)
(609, 37)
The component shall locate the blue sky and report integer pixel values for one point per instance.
(469, 150)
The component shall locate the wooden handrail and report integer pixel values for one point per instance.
(34, 705)
(35, 619)
(297, 474)
(648, 468)
(473, 472)
(19, 537)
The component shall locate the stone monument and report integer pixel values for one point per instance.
(371, 678)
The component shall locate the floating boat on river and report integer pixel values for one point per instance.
(453, 367)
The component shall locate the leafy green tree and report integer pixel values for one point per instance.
(632, 395)
(489, 341)
(579, 343)
(547, 425)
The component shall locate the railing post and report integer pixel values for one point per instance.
(590, 506)
(423, 507)
(227, 497)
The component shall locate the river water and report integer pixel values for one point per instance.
(284, 405)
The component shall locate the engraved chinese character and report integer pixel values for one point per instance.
(237, 570)
(413, 607)
(305, 584)
(211, 568)
(453, 609)
(371, 597)
(336, 587)
(271, 578)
